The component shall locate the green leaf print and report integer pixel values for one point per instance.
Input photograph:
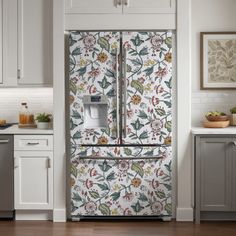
(160, 194)
(76, 114)
(73, 87)
(105, 210)
(73, 171)
(82, 71)
(142, 197)
(110, 73)
(128, 151)
(143, 135)
(143, 51)
(169, 83)
(168, 104)
(104, 84)
(149, 71)
(142, 115)
(72, 124)
(168, 208)
(137, 168)
(168, 126)
(76, 52)
(104, 166)
(160, 111)
(137, 207)
(115, 196)
(137, 41)
(137, 85)
(168, 166)
(137, 125)
(111, 176)
(103, 42)
(168, 186)
(168, 42)
(76, 197)
(77, 135)
(94, 194)
(103, 186)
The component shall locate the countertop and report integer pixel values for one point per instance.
(202, 130)
(15, 130)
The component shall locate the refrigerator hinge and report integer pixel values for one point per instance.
(18, 74)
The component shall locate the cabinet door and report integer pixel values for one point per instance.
(149, 6)
(215, 179)
(33, 180)
(34, 42)
(147, 87)
(1, 20)
(93, 6)
(233, 175)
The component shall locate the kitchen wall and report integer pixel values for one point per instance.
(209, 15)
(38, 99)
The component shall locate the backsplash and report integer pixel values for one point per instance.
(38, 100)
(203, 102)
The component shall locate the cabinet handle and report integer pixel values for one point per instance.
(233, 142)
(18, 74)
(125, 2)
(117, 3)
(29, 143)
(2, 141)
(49, 163)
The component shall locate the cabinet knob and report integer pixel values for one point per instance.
(118, 3)
(233, 142)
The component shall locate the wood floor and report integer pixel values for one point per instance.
(151, 228)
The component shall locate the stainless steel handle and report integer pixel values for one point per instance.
(125, 90)
(117, 97)
(2, 141)
(29, 143)
(49, 163)
(119, 157)
(233, 142)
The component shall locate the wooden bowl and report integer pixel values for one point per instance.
(216, 124)
(217, 118)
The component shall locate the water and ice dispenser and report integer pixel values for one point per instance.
(95, 111)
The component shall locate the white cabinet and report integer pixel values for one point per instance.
(120, 6)
(26, 35)
(34, 42)
(33, 172)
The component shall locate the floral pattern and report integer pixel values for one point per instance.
(148, 80)
(121, 187)
(94, 71)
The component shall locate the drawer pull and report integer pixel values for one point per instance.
(234, 143)
(29, 143)
(49, 163)
(2, 141)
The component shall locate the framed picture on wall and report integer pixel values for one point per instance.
(218, 60)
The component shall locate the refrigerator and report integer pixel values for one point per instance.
(120, 120)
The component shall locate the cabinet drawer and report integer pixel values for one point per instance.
(33, 142)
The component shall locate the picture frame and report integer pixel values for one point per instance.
(218, 60)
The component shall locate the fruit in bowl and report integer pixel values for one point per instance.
(216, 116)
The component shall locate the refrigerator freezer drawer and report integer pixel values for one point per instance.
(121, 187)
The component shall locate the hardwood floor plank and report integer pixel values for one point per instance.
(108, 228)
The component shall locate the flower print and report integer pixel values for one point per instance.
(127, 212)
(89, 41)
(93, 172)
(102, 140)
(94, 72)
(123, 165)
(71, 99)
(114, 212)
(102, 57)
(136, 182)
(156, 42)
(130, 113)
(90, 207)
(149, 62)
(83, 63)
(114, 45)
(156, 125)
(116, 187)
(128, 197)
(156, 207)
(155, 101)
(168, 57)
(161, 72)
(148, 171)
(136, 99)
(88, 183)
(76, 105)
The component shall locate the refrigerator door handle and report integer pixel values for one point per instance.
(117, 96)
(125, 90)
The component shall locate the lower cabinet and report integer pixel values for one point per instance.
(215, 183)
(33, 173)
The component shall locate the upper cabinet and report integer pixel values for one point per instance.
(120, 6)
(26, 31)
(34, 42)
(120, 14)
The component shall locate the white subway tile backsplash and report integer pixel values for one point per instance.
(38, 99)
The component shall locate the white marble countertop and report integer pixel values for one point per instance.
(15, 130)
(202, 130)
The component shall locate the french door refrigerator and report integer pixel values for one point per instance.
(120, 123)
